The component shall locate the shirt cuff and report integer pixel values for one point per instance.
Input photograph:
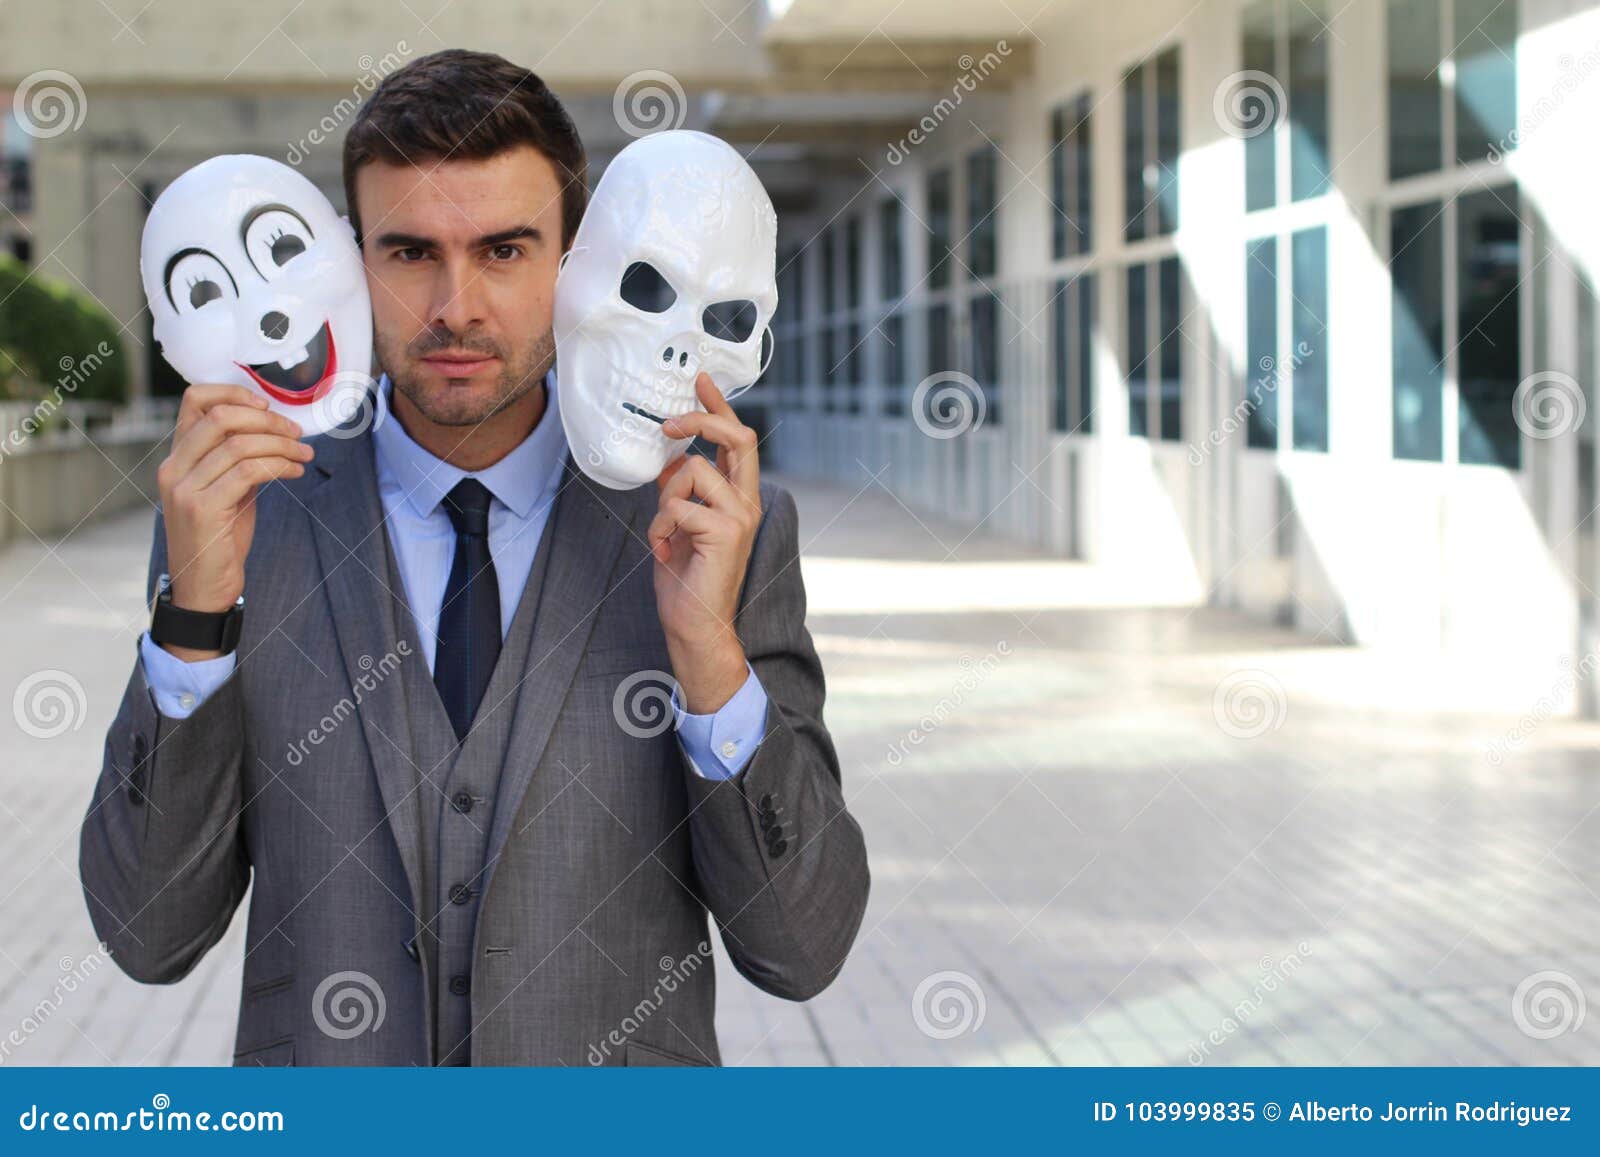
(178, 687)
(719, 745)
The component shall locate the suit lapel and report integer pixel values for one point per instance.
(585, 537)
(348, 527)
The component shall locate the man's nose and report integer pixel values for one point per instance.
(457, 297)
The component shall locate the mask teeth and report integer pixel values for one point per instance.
(289, 361)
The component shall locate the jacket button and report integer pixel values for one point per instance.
(460, 893)
(460, 985)
(462, 802)
(766, 802)
(778, 846)
(768, 819)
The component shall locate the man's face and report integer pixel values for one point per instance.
(461, 259)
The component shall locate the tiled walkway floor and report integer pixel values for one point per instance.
(1099, 835)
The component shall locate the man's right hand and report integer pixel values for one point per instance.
(227, 443)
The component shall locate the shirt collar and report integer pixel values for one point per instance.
(519, 480)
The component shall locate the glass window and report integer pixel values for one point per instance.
(939, 359)
(894, 365)
(1070, 179)
(1072, 311)
(1485, 77)
(1133, 154)
(890, 265)
(1416, 102)
(829, 279)
(852, 263)
(1308, 98)
(1260, 54)
(1137, 351)
(1170, 334)
(850, 366)
(1308, 313)
(982, 213)
(1168, 138)
(939, 227)
(1488, 350)
(1261, 343)
(1151, 136)
(984, 314)
(1416, 268)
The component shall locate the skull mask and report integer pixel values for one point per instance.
(671, 274)
(254, 280)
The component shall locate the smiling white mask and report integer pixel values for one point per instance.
(254, 280)
(672, 273)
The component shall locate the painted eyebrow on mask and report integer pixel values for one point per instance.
(397, 240)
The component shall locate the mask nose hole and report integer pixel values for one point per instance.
(676, 354)
(274, 326)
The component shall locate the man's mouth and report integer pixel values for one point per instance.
(307, 379)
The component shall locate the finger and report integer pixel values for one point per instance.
(700, 478)
(237, 447)
(222, 421)
(197, 399)
(734, 438)
(670, 469)
(699, 522)
(711, 397)
(243, 477)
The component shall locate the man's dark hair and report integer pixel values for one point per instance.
(466, 105)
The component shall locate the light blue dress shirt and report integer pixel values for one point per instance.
(411, 484)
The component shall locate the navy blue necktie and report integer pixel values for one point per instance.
(469, 619)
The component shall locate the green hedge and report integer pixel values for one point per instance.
(51, 335)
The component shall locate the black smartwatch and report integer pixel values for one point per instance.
(197, 630)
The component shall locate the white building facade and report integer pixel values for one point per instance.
(1287, 305)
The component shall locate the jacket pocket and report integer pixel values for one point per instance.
(277, 1054)
(641, 1055)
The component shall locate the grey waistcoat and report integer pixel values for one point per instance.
(458, 789)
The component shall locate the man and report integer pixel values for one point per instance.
(429, 743)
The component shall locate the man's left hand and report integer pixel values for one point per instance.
(702, 549)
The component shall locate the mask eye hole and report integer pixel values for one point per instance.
(731, 321)
(196, 280)
(275, 236)
(644, 288)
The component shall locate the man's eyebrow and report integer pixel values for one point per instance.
(396, 240)
(505, 235)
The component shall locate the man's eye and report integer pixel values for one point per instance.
(410, 254)
(505, 252)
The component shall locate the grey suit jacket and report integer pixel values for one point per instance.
(591, 940)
